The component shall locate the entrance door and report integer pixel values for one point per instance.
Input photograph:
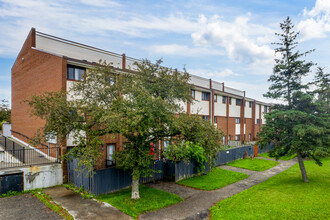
(111, 148)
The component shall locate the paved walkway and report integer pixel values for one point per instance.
(83, 209)
(25, 207)
(197, 202)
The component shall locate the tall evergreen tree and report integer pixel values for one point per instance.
(299, 126)
(322, 90)
(289, 68)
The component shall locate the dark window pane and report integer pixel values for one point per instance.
(206, 96)
(224, 98)
(70, 73)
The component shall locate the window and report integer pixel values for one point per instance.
(192, 93)
(259, 120)
(206, 96)
(249, 137)
(229, 100)
(265, 108)
(237, 120)
(206, 117)
(224, 99)
(215, 97)
(223, 140)
(75, 73)
(238, 101)
(250, 104)
(111, 148)
(215, 119)
(237, 137)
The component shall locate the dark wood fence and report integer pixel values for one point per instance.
(113, 179)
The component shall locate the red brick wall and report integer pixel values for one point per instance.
(231, 128)
(248, 129)
(37, 73)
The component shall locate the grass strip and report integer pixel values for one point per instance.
(215, 179)
(150, 199)
(253, 164)
(286, 157)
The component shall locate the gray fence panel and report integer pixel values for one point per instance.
(113, 179)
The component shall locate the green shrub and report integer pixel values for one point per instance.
(187, 151)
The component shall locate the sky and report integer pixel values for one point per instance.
(227, 41)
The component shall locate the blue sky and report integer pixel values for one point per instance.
(228, 41)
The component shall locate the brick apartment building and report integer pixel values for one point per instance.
(49, 63)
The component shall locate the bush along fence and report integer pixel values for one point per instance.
(113, 179)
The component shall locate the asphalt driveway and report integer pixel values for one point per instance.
(25, 207)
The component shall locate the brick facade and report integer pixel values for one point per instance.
(35, 72)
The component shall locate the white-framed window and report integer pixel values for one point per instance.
(237, 137)
(215, 97)
(237, 120)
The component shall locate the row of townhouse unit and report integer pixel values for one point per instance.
(49, 63)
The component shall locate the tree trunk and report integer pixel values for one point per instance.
(302, 167)
(135, 186)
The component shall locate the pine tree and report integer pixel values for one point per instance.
(299, 126)
(289, 68)
(322, 90)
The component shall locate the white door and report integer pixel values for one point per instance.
(111, 148)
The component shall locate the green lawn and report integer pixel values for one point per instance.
(253, 164)
(283, 196)
(150, 199)
(286, 157)
(215, 179)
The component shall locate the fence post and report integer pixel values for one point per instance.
(23, 154)
(57, 149)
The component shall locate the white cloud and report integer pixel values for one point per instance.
(63, 18)
(321, 6)
(317, 21)
(183, 50)
(243, 41)
(101, 3)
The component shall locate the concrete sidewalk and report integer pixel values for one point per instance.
(81, 208)
(197, 202)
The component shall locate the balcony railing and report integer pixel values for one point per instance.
(13, 154)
